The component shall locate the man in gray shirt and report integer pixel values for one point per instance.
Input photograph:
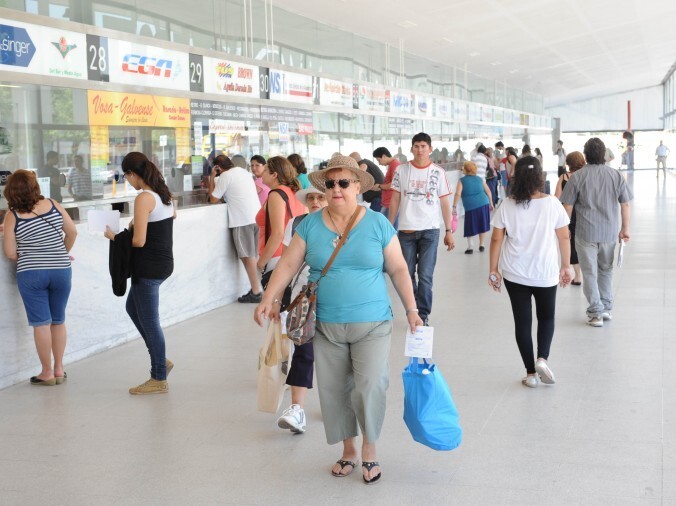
(598, 192)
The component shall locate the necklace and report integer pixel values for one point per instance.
(336, 239)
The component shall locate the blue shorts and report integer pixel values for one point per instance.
(45, 295)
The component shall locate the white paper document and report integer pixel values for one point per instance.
(419, 345)
(620, 254)
(99, 219)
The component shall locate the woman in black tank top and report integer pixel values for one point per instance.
(152, 262)
(575, 162)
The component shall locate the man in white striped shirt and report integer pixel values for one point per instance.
(481, 161)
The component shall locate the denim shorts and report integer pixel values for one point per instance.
(45, 295)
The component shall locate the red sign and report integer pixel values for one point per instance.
(305, 129)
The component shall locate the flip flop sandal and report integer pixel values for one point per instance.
(343, 464)
(368, 466)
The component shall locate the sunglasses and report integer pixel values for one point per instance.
(343, 183)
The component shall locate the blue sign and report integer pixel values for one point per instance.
(16, 46)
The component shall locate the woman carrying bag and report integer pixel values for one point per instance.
(353, 329)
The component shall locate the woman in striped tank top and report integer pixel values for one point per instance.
(38, 236)
(152, 262)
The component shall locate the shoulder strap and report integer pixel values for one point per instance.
(296, 222)
(285, 197)
(341, 242)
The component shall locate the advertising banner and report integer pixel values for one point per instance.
(402, 103)
(208, 109)
(423, 106)
(285, 114)
(226, 77)
(290, 87)
(107, 108)
(33, 49)
(142, 65)
(335, 93)
(373, 99)
(444, 109)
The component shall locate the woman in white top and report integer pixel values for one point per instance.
(534, 229)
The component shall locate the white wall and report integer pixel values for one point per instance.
(609, 113)
(207, 274)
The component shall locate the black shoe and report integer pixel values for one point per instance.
(481, 248)
(469, 251)
(249, 296)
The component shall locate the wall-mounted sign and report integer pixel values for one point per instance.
(372, 99)
(33, 49)
(423, 105)
(486, 114)
(208, 109)
(290, 87)
(285, 114)
(226, 77)
(107, 108)
(143, 65)
(443, 109)
(225, 127)
(335, 93)
(401, 102)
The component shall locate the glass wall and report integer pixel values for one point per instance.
(257, 30)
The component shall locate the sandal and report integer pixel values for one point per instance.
(61, 379)
(368, 466)
(343, 464)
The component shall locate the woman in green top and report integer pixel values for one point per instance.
(299, 165)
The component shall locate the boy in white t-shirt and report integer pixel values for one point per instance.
(421, 195)
(238, 188)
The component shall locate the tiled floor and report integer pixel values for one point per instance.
(604, 434)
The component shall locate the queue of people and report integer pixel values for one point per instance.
(283, 229)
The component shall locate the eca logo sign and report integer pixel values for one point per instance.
(137, 64)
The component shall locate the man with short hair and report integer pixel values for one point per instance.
(372, 196)
(661, 154)
(597, 191)
(238, 188)
(79, 180)
(420, 192)
(561, 153)
(385, 158)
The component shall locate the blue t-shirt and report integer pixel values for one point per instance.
(473, 194)
(354, 290)
(304, 181)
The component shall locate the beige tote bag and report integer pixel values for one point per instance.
(273, 367)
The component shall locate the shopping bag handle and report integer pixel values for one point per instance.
(414, 362)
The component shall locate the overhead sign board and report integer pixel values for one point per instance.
(226, 77)
(107, 108)
(290, 87)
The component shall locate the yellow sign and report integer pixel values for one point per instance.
(108, 108)
(99, 149)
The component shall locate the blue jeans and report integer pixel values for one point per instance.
(386, 212)
(143, 304)
(420, 250)
(45, 294)
(493, 187)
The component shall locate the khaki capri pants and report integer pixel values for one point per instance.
(351, 361)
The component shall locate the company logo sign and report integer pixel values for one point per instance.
(147, 65)
(63, 47)
(16, 46)
(225, 70)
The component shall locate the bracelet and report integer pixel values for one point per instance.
(413, 310)
(449, 230)
(277, 301)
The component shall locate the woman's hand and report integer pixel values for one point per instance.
(566, 276)
(414, 320)
(266, 311)
(495, 281)
(109, 233)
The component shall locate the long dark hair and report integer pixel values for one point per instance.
(528, 179)
(298, 163)
(139, 164)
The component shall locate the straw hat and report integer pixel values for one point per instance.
(301, 195)
(338, 161)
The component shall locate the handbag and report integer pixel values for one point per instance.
(429, 411)
(302, 318)
(274, 361)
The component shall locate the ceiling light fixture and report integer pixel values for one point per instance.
(446, 39)
(474, 53)
(496, 63)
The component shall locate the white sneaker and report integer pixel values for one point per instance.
(595, 321)
(293, 419)
(607, 315)
(530, 381)
(546, 374)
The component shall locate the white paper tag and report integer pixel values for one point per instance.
(282, 318)
(419, 345)
(620, 254)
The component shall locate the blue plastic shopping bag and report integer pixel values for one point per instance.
(429, 411)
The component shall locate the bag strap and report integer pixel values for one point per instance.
(285, 197)
(55, 229)
(340, 243)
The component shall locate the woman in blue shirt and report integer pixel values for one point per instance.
(352, 339)
(477, 201)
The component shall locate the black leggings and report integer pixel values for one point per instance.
(545, 309)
